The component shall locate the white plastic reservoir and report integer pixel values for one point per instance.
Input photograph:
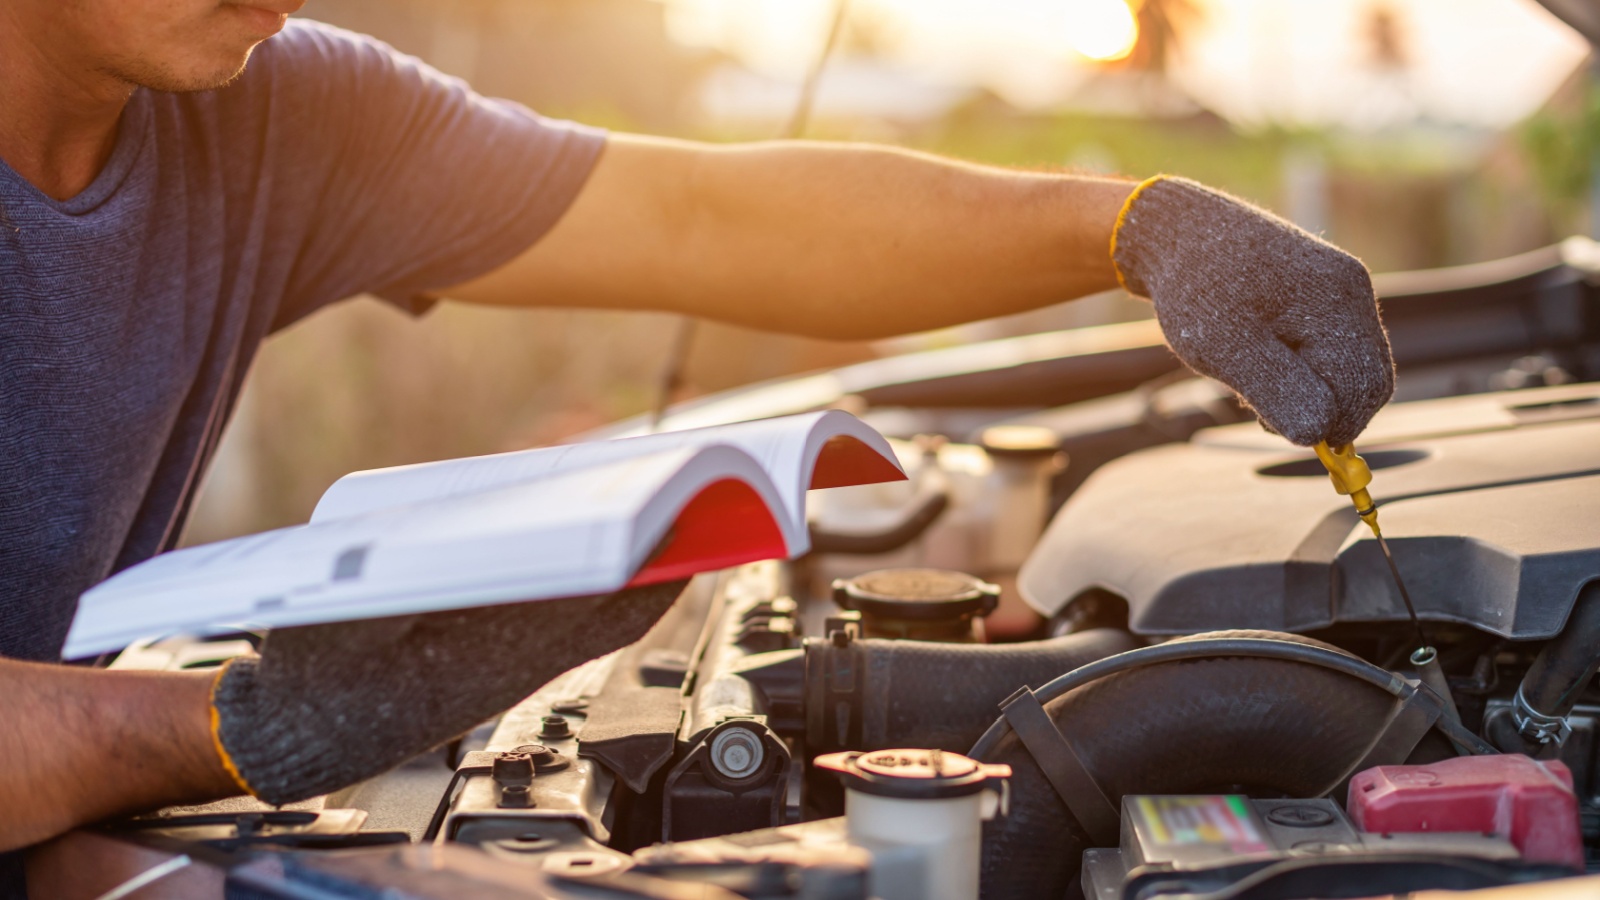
(920, 813)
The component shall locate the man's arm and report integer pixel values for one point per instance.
(80, 745)
(829, 240)
(856, 241)
(323, 707)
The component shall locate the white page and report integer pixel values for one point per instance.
(786, 447)
(586, 531)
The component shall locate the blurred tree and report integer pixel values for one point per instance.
(1162, 24)
(1563, 141)
(870, 31)
(1387, 45)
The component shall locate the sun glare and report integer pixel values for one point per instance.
(1102, 30)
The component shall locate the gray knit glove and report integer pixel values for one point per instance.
(327, 706)
(1284, 318)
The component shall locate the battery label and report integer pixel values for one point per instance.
(1217, 821)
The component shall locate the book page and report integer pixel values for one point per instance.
(593, 530)
(786, 447)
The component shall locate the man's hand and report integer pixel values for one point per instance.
(1287, 320)
(327, 706)
(324, 707)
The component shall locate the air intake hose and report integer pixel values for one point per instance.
(1224, 724)
(1558, 676)
(874, 694)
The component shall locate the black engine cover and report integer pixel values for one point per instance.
(1491, 504)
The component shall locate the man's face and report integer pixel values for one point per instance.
(166, 45)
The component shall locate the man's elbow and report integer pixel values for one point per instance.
(851, 328)
(841, 317)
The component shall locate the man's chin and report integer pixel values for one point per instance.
(189, 79)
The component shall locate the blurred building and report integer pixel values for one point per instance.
(608, 61)
(858, 97)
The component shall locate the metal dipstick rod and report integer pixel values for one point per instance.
(1351, 475)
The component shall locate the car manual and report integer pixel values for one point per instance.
(537, 524)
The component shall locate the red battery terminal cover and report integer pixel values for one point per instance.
(1511, 796)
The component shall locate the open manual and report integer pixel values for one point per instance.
(560, 521)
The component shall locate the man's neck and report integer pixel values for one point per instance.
(58, 118)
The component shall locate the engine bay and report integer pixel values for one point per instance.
(1110, 640)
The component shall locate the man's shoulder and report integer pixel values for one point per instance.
(315, 73)
(318, 49)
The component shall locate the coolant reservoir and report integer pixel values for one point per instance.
(920, 813)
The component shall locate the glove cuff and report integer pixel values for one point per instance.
(1132, 286)
(223, 755)
(329, 705)
(260, 736)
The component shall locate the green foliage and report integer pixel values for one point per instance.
(1562, 147)
(1202, 148)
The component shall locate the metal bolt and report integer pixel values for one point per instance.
(513, 772)
(1300, 816)
(512, 769)
(555, 727)
(539, 753)
(516, 796)
(544, 759)
(737, 753)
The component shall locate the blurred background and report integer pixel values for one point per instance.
(1415, 133)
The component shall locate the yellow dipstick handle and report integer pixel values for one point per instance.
(1350, 477)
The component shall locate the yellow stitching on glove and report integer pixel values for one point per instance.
(1122, 216)
(216, 734)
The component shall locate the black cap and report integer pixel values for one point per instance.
(923, 594)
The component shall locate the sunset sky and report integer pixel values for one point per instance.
(1295, 61)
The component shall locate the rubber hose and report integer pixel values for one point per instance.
(934, 695)
(1261, 727)
(1565, 665)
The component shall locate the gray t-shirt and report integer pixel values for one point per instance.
(129, 314)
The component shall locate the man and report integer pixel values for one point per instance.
(164, 206)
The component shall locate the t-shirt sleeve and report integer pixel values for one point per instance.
(414, 182)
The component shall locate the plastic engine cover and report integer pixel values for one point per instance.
(1509, 796)
(1488, 502)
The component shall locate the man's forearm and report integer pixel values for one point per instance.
(831, 240)
(78, 745)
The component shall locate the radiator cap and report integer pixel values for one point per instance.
(913, 774)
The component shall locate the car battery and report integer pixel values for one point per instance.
(1217, 843)
(1530, 803)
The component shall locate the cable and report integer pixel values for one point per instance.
(801, 117)
(683, 337)
(672, 372)
(146, 878)
(1256, 648)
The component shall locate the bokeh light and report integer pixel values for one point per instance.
(1102, 30)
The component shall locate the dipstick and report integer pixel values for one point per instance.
(1351, 475)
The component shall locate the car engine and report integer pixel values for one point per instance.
(1110, 640)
